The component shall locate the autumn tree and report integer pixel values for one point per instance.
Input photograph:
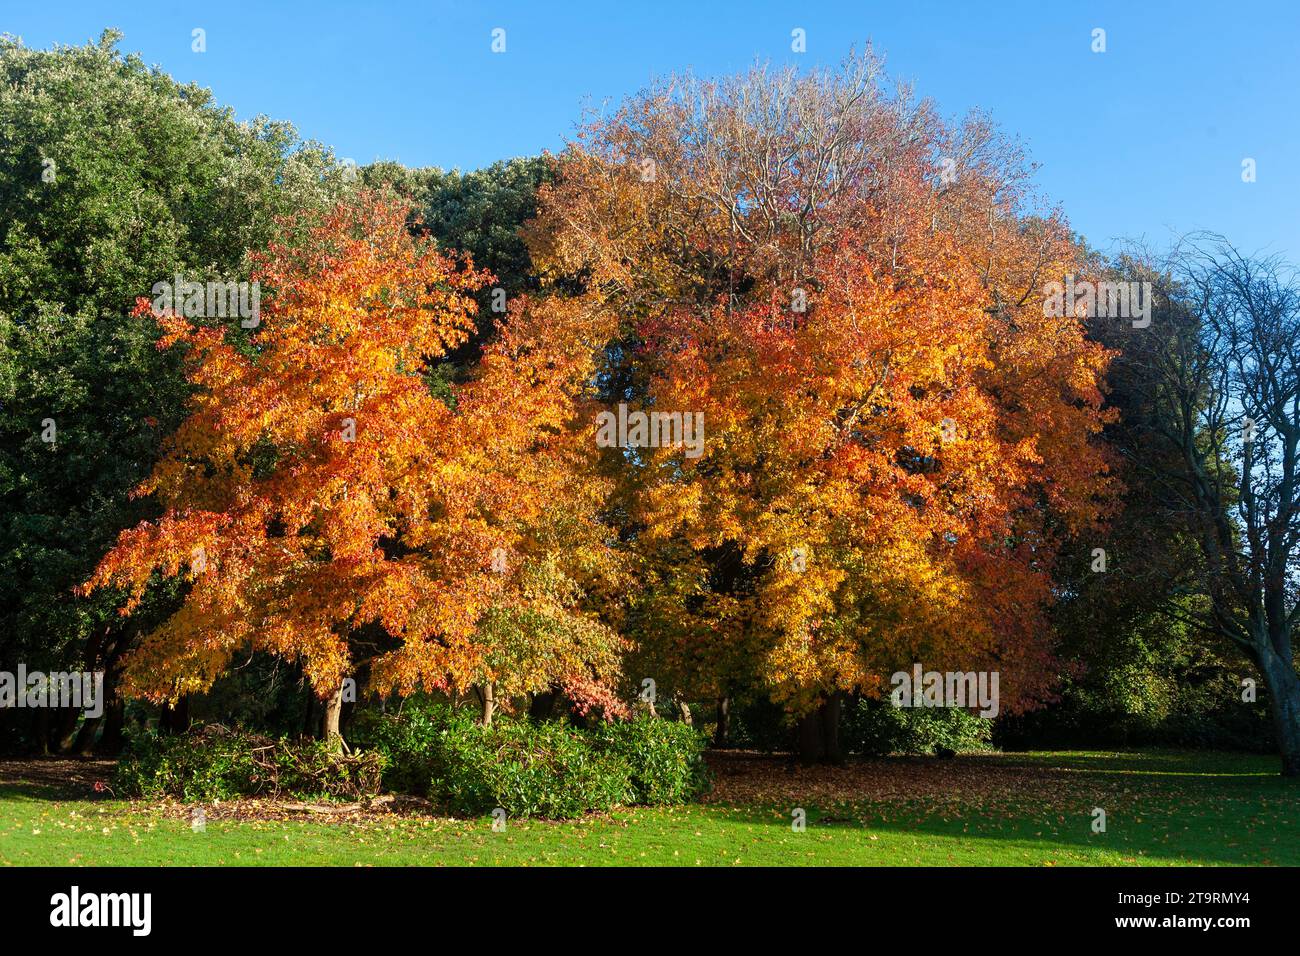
(517, 507)
(323, 506)
(115, 176)
(898, 435)
(480, 213)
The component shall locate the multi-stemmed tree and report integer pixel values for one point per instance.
(323, 506)
(1221, 366)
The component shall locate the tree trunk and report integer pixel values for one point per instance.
(819, 733)
(65, 729)
(42, 732)
(112, 739)
(72, 739)
(684, 714)
(830, 717)
(812, 745)
(722, 733)
(1284, 700)
(488, 696)
(114, 713)
(330, 732)
(84, 744)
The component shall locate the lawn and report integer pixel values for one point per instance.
(1162, 808)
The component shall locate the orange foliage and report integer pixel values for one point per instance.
(896, 436)
(326, 508)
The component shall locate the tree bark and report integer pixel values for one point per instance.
(488, 697)
(83, 746)
(819, 733)
(114, 715)
(42, 732)
(112, 739)
(72, 739)
(684, 714)
(830, 718)
(65, 730)
(1284, 701)
(722, 733)
(330, 732)
(812, 744)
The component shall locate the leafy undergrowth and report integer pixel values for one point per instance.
(1162, 808)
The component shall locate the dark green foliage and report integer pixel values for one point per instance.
(112, 177)
(479, 213)
(545, 769)
(409, 739)
(1147, 679)
(215, 763)
(1134, 670)
(760, 725)
(549, 769)
(665, 757)
(263, 694)
(1158, 684)
(877, 728)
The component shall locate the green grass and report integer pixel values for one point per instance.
(1163, 808)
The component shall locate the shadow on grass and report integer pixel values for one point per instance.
(1180, 763)
(56, 778)
(1161, 807)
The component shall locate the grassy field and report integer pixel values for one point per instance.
(1162, 808)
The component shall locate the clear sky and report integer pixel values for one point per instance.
(1145, 140)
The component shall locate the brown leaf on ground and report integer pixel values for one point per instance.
(746, 777)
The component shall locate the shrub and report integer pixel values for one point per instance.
(409, 740)
(876, 727)
(308, 768)
(192, 766)
(528, 769)
(215, 763)
(665, 758)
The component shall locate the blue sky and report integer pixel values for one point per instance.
(1143, 141)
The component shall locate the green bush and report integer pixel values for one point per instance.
(528, 768)
(877, 728)
(409, 740)
(214, 763)
(665, 758)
